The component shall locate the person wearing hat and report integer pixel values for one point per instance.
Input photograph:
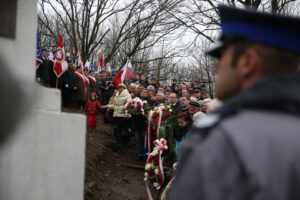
(197, 94)
(67, 85)
(193, 108)
(44, 73)
(249, 148)
(87, 84)
(114, 72)
(120, 118)
(79, 96)
(174, 82)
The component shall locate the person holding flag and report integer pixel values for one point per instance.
(61, 64)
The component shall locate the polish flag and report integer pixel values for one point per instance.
(129, 72)
(101, 61)
(78, 60)
(121, 75)
(60, 65)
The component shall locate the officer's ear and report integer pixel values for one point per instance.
(249, 65)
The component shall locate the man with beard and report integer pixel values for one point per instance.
(249, 149)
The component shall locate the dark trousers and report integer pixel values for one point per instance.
(107, 115)
(121, 130)
(140, 143)
(67, 98)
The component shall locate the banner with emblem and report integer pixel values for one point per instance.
(60, 65)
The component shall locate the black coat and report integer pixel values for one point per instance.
(103, 83)
(67, 80)
(176, 107)
(45, 74)
(139, 123)
(145, 83)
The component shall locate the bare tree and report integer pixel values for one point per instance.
(122, 30)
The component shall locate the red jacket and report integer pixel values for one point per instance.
(91, 107)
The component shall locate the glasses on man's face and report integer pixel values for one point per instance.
(172, 97)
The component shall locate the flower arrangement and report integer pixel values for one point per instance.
(135, 107)
(158, 119)
(155, 167)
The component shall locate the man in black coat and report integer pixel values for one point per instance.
(249, 149)
(174, 103)
(67, 85)
(143, 81)
(107, 89)
(154, 84)
(44, 73)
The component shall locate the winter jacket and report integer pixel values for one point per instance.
(80, 92)
(249, 149)
(103, 83)
(91, 107)
(145, 83)
(119, 102)
(44, 73)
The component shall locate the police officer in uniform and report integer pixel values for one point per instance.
(44, 73)
(249, 149)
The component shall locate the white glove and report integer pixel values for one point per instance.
(38, 79)
(75, 88)
(66, 85)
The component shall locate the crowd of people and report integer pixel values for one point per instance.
(249, 148)
(82, 90)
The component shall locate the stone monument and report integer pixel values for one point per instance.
(45, 155)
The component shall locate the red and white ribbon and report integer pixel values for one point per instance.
(160, 146)
(126, 106)
(148, 138)
(158, 121)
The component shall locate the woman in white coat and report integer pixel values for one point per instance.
(120, 118)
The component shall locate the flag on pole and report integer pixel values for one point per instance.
(60, 65)
(39, 58)
(101, 62)
(78, 60)
(87, 64)
(129, 72)
(121, 75)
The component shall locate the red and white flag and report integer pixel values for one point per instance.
(129, 72)
(122, 74)
(78, 61)
(101, 62)
(60, 65)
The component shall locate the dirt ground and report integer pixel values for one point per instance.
(111, 171)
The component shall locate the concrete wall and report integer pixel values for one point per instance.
(45, 157)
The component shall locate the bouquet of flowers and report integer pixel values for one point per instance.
(135, 106)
